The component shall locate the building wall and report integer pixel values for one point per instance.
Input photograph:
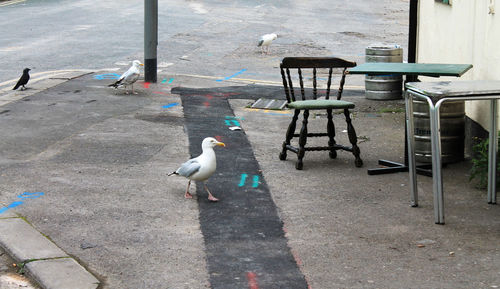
(465, 32)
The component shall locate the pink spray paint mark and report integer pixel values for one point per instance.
(252, 280)
(296, 258)
(146, 84)
(161, 92)
(208, 97)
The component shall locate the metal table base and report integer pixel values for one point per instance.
(481, 90)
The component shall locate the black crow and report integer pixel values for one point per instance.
(23, 80)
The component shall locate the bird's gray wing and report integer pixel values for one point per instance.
(131, 77)
(126, 74)
(261, 41)
(189, 168)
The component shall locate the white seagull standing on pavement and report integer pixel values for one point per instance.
(129, 77)
(200, 168)
(266, 40)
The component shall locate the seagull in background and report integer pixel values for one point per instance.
(200, 168)
(129, 77)
(23, 80)
(265, 40)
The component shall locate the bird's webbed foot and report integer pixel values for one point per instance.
(211, 197)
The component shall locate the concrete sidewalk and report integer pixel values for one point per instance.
(108, 208)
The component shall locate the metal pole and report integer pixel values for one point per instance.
(410, 148)
(492, 154)
(150, 39)
(412, 37)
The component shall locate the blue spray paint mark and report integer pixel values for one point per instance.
(107, 76)
(231, 120)
(11, 206)
(169, 81)
(236, 74)
(28, 195)
(14, 204)
(170, 105)
(243, 180)
(23, 196)
(255, 181)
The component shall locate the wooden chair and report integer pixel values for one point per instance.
(309, 100)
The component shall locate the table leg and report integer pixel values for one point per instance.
(492, 154)
(410, 140)
(391, 167)
(395, 167)
(436, 165)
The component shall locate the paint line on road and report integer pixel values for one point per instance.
(269, 111)
(257, 81)
(232, 76)
(162, 93)
(12, 2)
(170, 105)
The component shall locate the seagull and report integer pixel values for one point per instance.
(265, 40)
(23, 80)
(200, 168)
(129, 77)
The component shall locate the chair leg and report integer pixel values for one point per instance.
(331, 134)
(353, 139)
(289, 134)
(302, 141)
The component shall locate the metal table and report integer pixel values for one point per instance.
(413, 69)
(435, 94)
(424, 69)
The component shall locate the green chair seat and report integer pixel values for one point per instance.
(320, 104)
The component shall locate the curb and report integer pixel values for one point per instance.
(49, 266)
(45, 80)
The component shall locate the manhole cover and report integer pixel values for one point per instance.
(265, 103)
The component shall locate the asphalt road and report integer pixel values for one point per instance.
(48, 35)
(100, 157)
(51, 34)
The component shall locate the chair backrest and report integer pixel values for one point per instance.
(312, 63)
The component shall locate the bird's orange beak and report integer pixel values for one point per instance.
(142, 64)
(221, 144)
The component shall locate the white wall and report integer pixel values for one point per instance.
(464, 32)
